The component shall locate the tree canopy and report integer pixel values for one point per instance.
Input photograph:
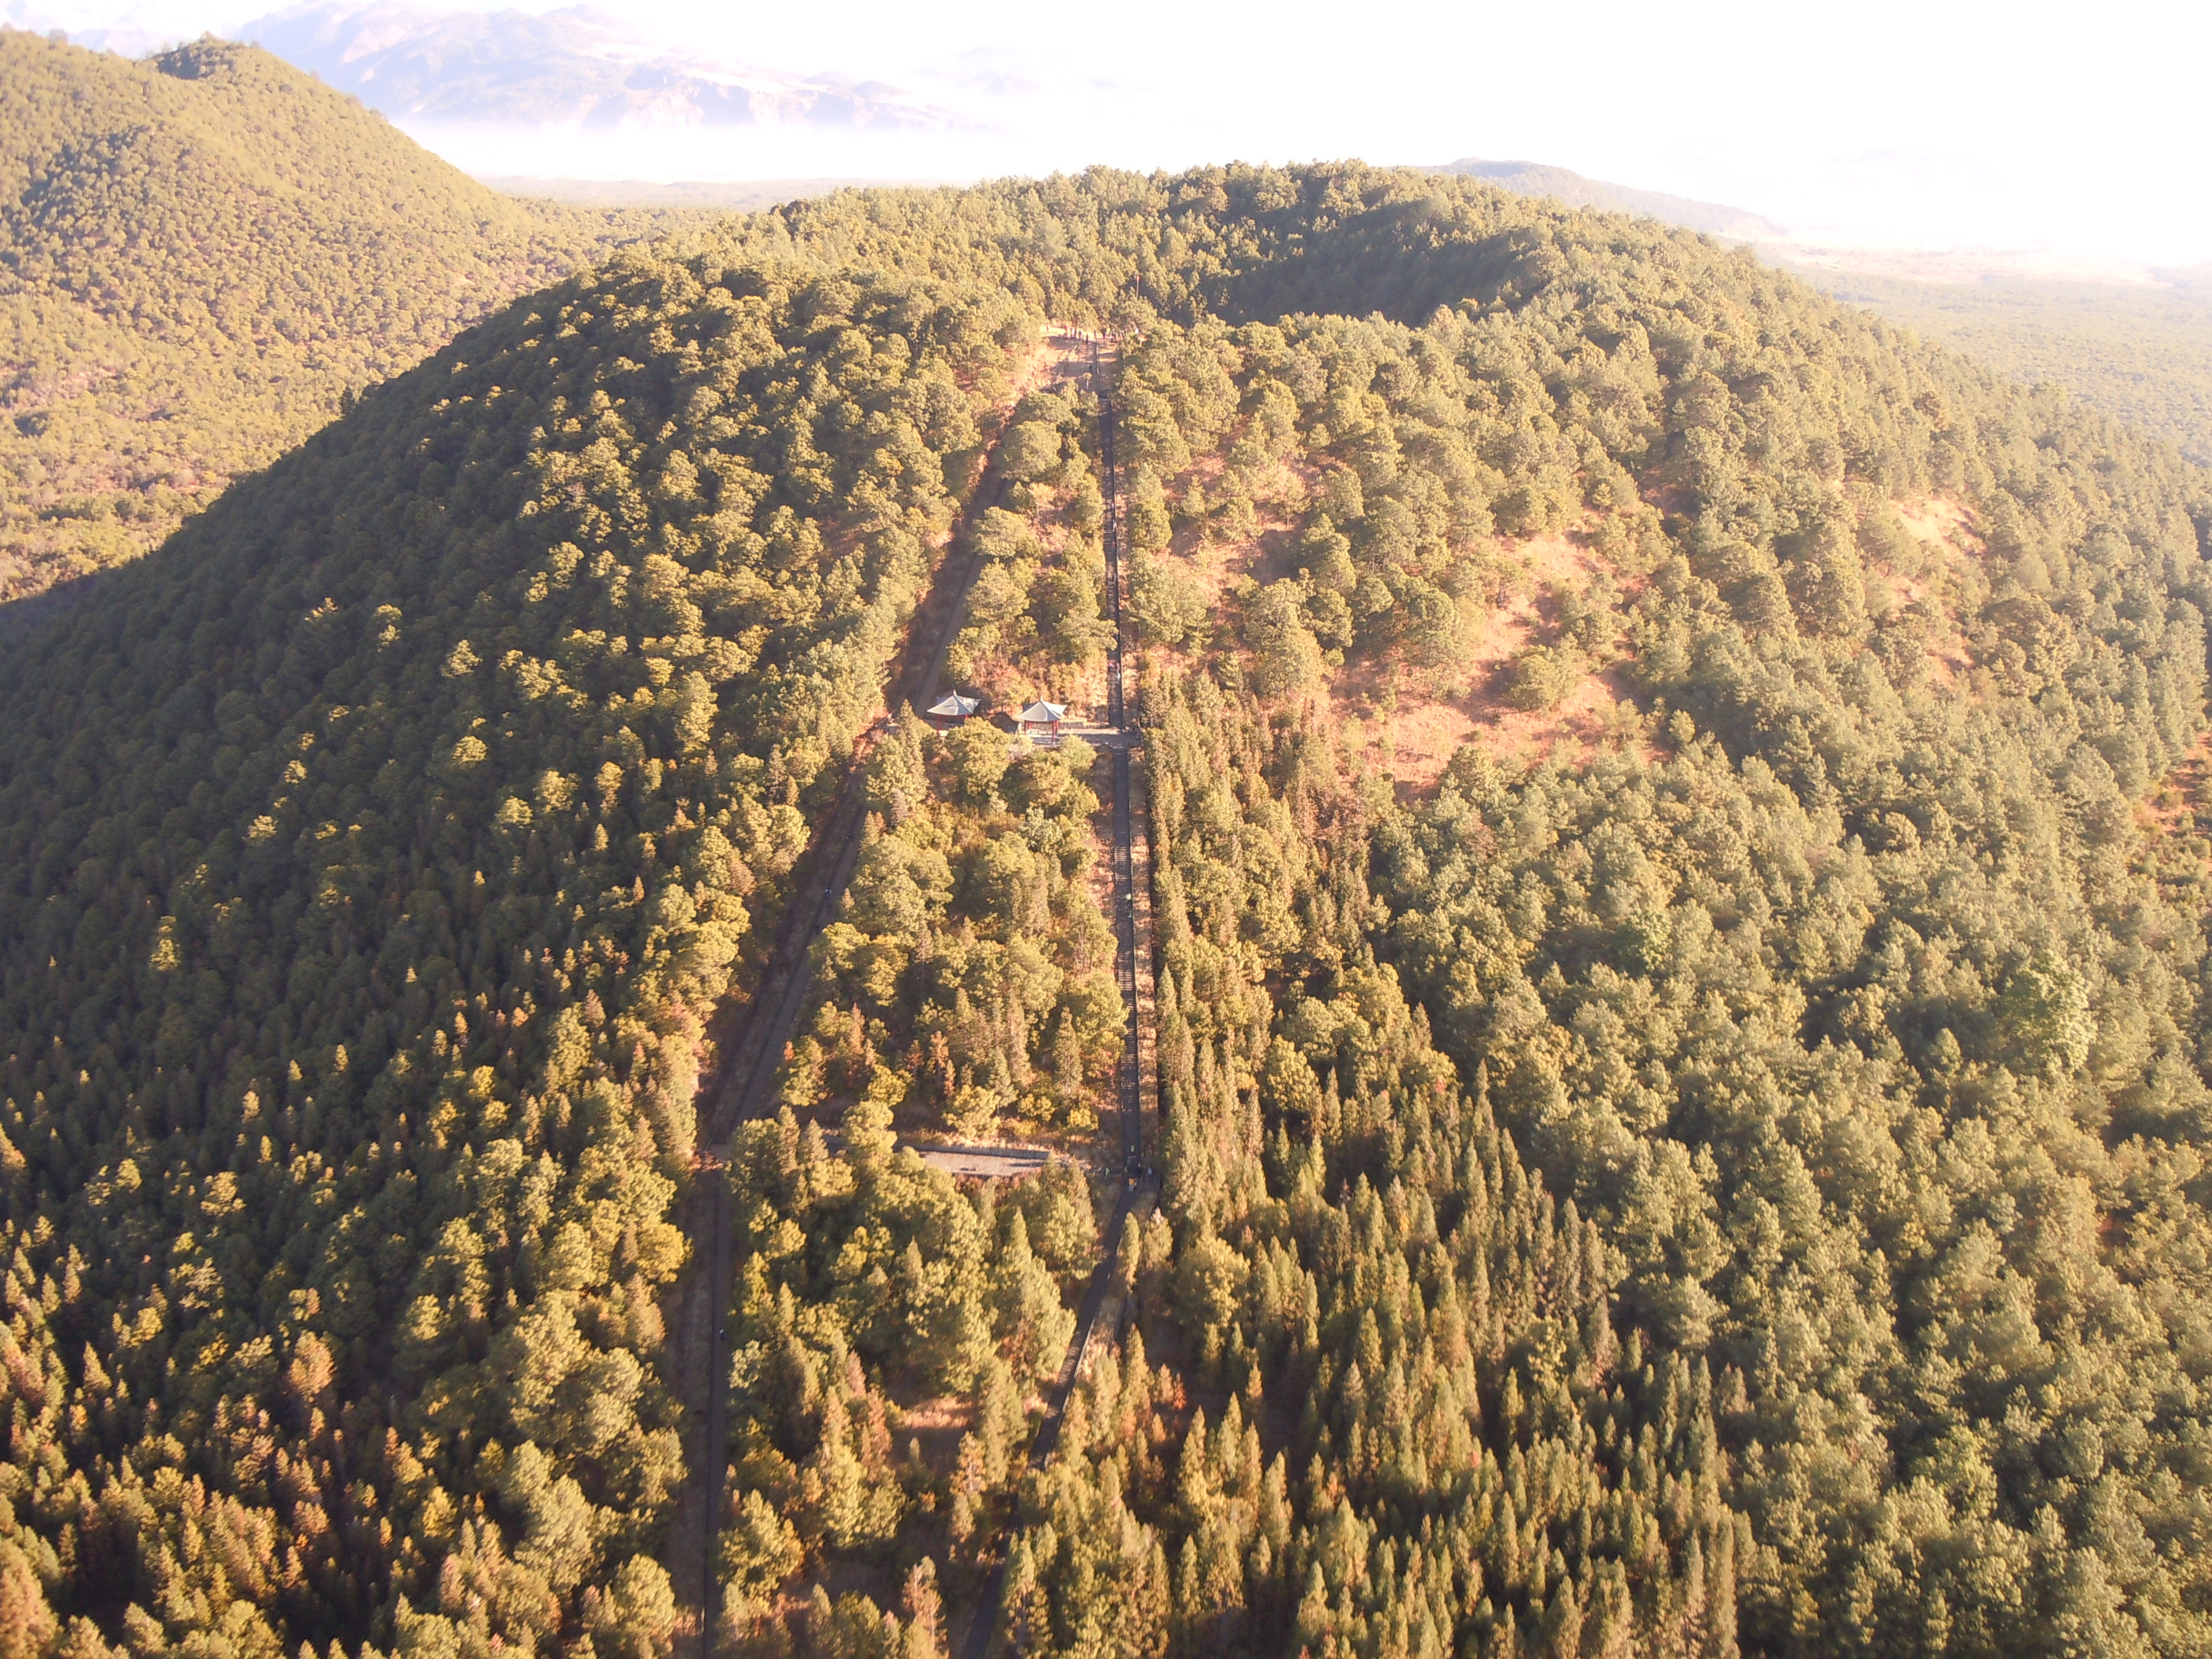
(1730, 1184)
(350, 1099)
(203, 255)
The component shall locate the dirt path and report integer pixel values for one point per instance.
(1100, 1317)
(741, 1088)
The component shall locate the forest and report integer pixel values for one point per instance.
(1711, 1162)
(204, 257)
(2143, 354)
(396, 913)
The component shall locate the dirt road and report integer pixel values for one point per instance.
(1099, 1318)
(742, 1086)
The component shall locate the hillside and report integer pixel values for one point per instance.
(201, 256)
(399, 1078)
(1564, 185)
(1676, 818)
(2138, 349)
(2141, 354)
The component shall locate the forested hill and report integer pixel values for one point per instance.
(411, 807)
(200, 255)
(1681, 1013)
(2141, 354)
(1713, 1164)
(1563, 185)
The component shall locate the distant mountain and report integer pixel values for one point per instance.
(575, 67)
(1536, 179)
(697, 195)
(200, 254)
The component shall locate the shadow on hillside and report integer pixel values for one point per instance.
(21, 618)
(1402, 259)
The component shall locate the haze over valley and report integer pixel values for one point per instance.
(2043, 135)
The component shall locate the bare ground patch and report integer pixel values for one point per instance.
(1946, 530)
(1411, 733)
(2179, 808)
(1943, 522)
(1560, 557)
(1415, 745)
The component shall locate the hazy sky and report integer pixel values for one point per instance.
(2082, 128)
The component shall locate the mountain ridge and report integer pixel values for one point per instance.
(2133, 340)
(1563, 185)
(201, 255)
(576, 65)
